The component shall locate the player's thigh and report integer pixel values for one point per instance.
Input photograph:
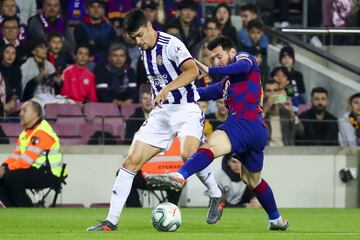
(219, 143)
(156, 130)
(252, 179)
(188, 146)
(139, 153)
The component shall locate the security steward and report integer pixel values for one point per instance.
(36, 161)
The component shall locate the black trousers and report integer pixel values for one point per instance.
(14, 183)
(140, 183)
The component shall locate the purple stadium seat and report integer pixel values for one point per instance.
(91, 110)
(12, 131)
(128, 109)
(67, 128)
(53, 110)
(117, 123)
(86, 130)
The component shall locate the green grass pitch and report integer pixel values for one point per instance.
(53, 224)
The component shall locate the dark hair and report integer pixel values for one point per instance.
(37, 107)
(248, 7)
(190, 4)
(352, 97)
(270, 81)
(223, 41)
(82, 46)
(55, 35)
(278, 69)
(10, 18)
(212, 20)
(224, 5)
(318, 90)
(134, 19)
(255, 24)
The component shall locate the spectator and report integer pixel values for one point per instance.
(27, 9)
(8, 9)
(141, 114)
(59, 58)
(229, 181)
(37, 72)
(10, 29)
(281, 75)
(212, 29)
(10, 71)
(189, 32)
(320, 126)
(283, 125)
(349, 124)
(205, 58)
(248, 13)
(287, 59)
(35, 163)
(76, 10)
(78, 81)
(222, 13)
(116, 11)
(150, 10)
(220, 115)
(47, 21)
(174, 29)
(256, 34)
(95, 31)
(134, 55)
(116, 81)
(7, 100)
(171, 9)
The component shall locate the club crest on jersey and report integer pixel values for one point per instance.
(226, 86)
(159, 60)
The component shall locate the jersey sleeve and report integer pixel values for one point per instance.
(243, 64)
(178, 52)
(212, 92)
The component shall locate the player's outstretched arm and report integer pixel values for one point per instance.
(241, 66)
(190, 72)
(212, 92)
(202, 67)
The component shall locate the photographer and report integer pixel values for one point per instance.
(38, 73)
(282, 122)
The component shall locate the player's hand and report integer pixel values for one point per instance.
(202, 67)
(161, 97)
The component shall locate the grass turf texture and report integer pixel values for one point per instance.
(246, 224)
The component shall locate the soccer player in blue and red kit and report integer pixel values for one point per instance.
(243, 133)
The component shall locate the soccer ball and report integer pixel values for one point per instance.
(166, 217)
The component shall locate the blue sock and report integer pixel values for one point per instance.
(197, 162)
(265, 196)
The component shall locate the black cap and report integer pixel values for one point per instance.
(187, 4)
(148, 4)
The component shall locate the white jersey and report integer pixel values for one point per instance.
(162, 64)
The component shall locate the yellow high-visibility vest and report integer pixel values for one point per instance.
(53, 154)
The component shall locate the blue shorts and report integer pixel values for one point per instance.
(248, 140)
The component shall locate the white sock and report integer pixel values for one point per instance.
(208, 179)
(275, 220)
(119, 195)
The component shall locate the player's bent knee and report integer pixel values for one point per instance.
(132, 163)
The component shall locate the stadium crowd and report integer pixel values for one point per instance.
(75, 51)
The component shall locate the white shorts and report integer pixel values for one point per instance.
(171, 119)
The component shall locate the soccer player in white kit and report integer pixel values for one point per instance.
(171, 71)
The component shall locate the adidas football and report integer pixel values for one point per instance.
(166, 217)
